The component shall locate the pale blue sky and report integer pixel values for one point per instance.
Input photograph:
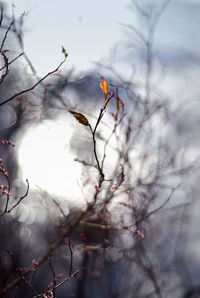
(87, 29)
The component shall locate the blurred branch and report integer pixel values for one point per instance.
(52, 247)
(160, 207)
(159, 13)
(85, 163)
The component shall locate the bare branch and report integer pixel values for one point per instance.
(71, 257)
(70, 277)
(54, 276)
(19, 201)
(5, 36)
(31, 88)
(14, 59)
(1, 16)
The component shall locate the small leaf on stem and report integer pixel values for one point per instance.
(80, 118)
(104, 87)
(64, 52)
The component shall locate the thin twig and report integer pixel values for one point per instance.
(31, 88)
(22, 276)
(1, 16)
(5, 36)
(70, 277)
(160, 207)
(108, 140)
(25, 195)
(54, 277)
(5, 58)
(102, 176)
(71, 257)
(85, 163)
(14, 59)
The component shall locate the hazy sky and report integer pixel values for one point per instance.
(87, 29)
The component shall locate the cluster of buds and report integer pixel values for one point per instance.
(139, 234)
(3, 171)
(22, 270)
(4, 189)
(35, 264)
(8, 142)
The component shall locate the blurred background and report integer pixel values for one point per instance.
(136, 234)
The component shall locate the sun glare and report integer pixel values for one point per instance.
(46, 161)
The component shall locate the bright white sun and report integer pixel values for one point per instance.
(46, 161)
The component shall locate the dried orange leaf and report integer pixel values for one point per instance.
(80, 118)
(104, 86)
